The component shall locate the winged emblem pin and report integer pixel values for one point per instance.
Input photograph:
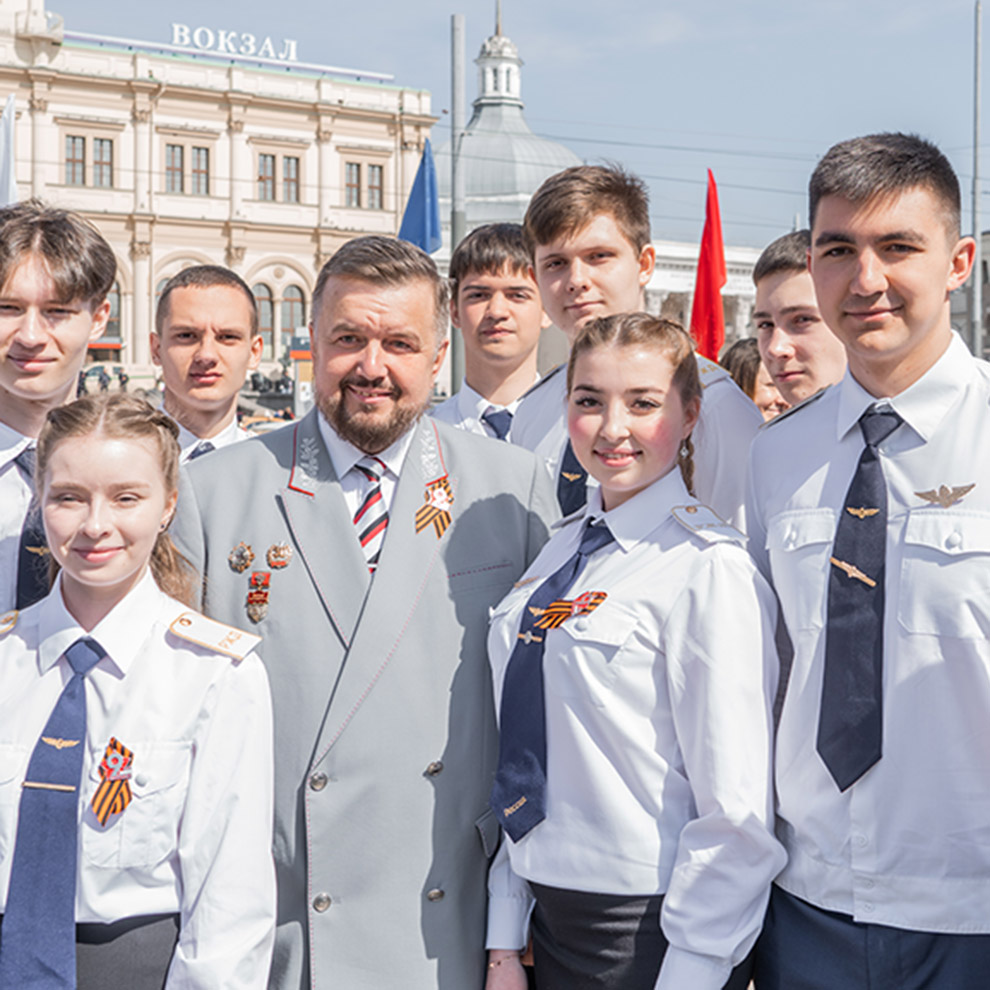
(946, 496)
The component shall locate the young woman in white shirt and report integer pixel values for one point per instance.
(649, 860)
(154, 868)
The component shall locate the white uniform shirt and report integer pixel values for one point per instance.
(344, 455)
(465, 409)
(658, 734)
(188, 441)
(729, 421)
(196, 836)
(15, 500)
(908, 845)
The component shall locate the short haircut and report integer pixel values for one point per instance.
(489, 250)
(81, 263)
(786, 254)
(742, 361)
(568, 201)
(204, 277)
(881, 165)
(385, 262)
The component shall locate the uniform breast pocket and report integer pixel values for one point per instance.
(584, 655)
(13, 764)
(799, 543)
(146, 832)
(945, 574)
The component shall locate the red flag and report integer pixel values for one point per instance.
(707, 316)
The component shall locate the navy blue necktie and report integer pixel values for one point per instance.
(32, 557)
(499, 420)
(203, 447)
(850, 725)
(572, 482)
(519, 793)
(38, 943)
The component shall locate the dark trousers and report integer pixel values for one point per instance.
(804, 947)
(585, 941)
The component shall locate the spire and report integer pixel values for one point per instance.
(498, 18)
(498, 67)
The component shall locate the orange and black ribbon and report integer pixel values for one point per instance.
(436, 509)
(556, 613)
(114, 793)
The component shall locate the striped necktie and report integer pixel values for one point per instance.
(38, 947)
(371, 518)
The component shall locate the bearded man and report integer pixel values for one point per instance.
(366, 544)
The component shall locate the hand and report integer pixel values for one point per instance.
(505, 971)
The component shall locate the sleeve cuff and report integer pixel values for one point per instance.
(690, 969)
(508, 922)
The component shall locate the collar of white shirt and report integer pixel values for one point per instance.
(116, 632)
(924, 404)
(228, 435)
(473, 405)
(11, 444)
(344, 455)
(636, 518)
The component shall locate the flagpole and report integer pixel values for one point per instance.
(977, 286)
(458, 186)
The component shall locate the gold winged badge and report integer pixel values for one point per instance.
(946, 496)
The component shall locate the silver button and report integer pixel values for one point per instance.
(434, 895)
(861, 841)
(140, 779)
(321, 902)
(791, 538)
(868, 885)
(318, 781)
(953, 540)
(868, 907)
(581, 625)
(434, 768)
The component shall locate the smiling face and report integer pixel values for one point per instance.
(626, 419)
(500, 316)
(375, 358)
(591, 273)
(883, 271)
(42, 339)
(205, 347)
(800, 352)
(104, 501)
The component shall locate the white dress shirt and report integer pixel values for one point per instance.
(344, 455)
(658, 734)
(907, 845)
(196, 836)
(729, 420)
(465, 408)
(15, 500)
(188, 441)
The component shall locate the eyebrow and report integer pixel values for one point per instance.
(515, 287)
(839, 237)
(642, 390)
(760, 314)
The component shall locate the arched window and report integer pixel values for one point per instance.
(266, 319)
(293, 313)
(112, 331)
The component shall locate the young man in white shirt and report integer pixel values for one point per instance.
(588, 233)
(495, 304)
(797, 348)
(55, 272)
(868, 508)
(206, 340)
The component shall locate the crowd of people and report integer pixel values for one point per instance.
(646, 673)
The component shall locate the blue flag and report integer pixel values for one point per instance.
(421, 221)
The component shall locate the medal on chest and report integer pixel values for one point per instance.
(114, 792)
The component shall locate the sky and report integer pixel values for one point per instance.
(756, 91)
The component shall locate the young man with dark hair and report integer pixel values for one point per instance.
(206, 340)
(495, 304)
(55, 273)
(588, 232)
(798, 350)
(868, 507)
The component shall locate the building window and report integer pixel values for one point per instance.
(352, 186)
(266, 318)
(173, 168)
(293, 313)
(75, 161)
(266, 177)
(375, 175)
(201, 171)
(290, 179)
(103, 162)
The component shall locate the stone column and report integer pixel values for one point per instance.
(324, 135)
(240, 163)
(39, 109)
(141, 117)
(141, 326)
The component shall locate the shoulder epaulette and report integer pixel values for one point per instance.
(794, 409)
(8, 620)
(213, 635)
(702, 520)
(549, 376)
(710, 372)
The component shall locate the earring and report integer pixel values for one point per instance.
(684, 450)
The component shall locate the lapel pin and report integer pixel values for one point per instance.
(946, 496)
(436, 508)
(278, 555)
(258, 593)
(240, 558)
(114, 793)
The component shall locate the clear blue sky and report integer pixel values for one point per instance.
(757, 91)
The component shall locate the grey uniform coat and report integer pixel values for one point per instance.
(385, 739)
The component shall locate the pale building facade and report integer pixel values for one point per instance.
(209, 149)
